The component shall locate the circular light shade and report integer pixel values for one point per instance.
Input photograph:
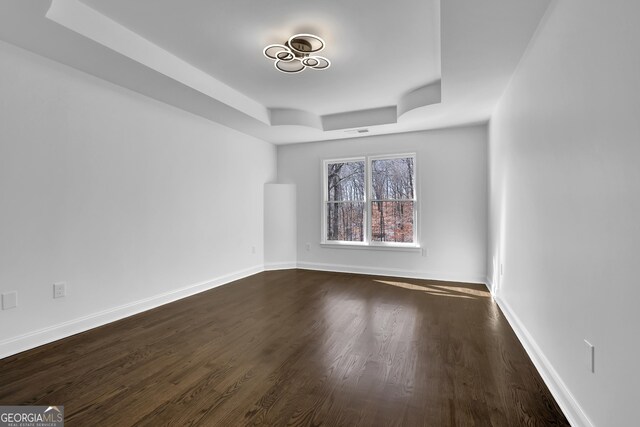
(305, 43)
(285, 55)
(273, 50)
(310, 61)
(293, 66)
(317, 62)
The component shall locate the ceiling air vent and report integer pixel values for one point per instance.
(360, 131)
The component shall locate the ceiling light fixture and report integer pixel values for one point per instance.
(298, 54)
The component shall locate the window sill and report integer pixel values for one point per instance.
(371, 247)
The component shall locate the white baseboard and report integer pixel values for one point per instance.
(449, 277)
(43, 336)
(570, 407)
(270, 266)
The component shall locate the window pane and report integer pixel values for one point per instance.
(392, 222)
(392, 178)
(345, 181)
(345, 221)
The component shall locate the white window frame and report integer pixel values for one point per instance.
(325, 202)
(368, 241)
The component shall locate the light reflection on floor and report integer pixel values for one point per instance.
(439, 290)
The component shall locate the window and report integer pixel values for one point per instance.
(370, 201)
(345, 201)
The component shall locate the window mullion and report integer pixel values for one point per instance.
(393, 200)
(369, 200)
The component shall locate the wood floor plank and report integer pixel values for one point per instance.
(295, 348)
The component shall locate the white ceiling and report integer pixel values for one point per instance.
(206, 57)
(379, 50)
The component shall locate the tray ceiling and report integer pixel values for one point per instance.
(396, 66)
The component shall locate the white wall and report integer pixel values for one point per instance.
(279, 226)
(123, 197)
(451, 169)
(565, 204)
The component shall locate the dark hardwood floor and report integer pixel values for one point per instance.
(295, 348)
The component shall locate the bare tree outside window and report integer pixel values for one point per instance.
(370, 200)
(392, 201)
(345, 201)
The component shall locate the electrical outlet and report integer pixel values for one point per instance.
(9, 300)
(59, 290)
(424, 252)
(253, 249)
(591, 357)
(307, 246)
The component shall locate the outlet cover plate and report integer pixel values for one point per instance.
(59, 290)
(591, 357)
(9, 300)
